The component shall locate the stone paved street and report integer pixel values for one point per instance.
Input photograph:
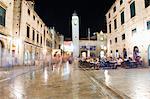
(67, 81)
(132, 82)
(11, 72)
(62, 82)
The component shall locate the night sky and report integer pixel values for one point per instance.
(58, 13)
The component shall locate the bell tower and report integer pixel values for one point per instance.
(75, 34)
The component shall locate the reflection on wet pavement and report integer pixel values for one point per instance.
(134, 83)
(62, 82)
(67, 81)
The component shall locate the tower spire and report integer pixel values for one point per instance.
(75, 13)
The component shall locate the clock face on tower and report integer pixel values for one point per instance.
(75, 22)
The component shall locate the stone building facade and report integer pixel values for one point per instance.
(24, 37)
(6, 30)
(94, 47)
(128, 26)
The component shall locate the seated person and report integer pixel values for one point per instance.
(87, 60)
(139, 60)
(119, 61)
(130, 59)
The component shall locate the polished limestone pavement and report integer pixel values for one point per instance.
(133, 83)
(67, 81)
(62, 81)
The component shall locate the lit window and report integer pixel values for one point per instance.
(2, 16)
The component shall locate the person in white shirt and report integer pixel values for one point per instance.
(119, 61)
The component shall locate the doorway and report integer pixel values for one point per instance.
(83, 54)
(102, 54)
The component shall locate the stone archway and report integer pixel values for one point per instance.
(135, 52)
(83, 54)
(33, 56)
(124, 53)
(27, 57)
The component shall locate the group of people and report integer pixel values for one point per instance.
(119, 61)
(90, 59)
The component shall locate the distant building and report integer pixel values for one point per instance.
(128, 26)
(97, 45)
(61, 43)
(31, 30)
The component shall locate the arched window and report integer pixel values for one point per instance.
(135, 52)
(124, 53)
